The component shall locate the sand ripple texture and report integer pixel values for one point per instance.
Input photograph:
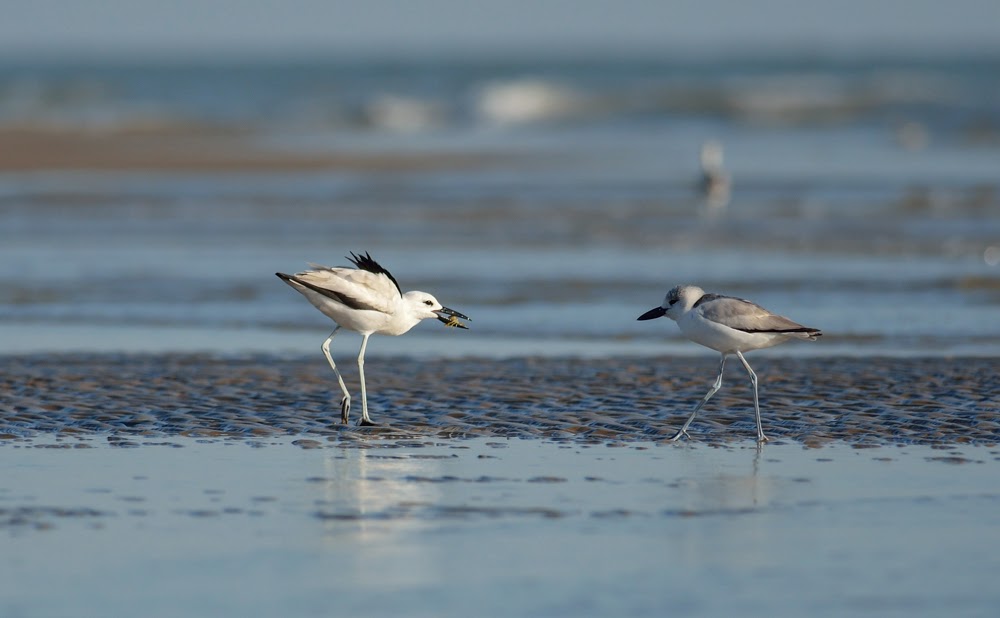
(130, 400)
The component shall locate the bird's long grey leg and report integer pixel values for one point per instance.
(364, 394)
(345, 403)
(715, 388)
(756, 405)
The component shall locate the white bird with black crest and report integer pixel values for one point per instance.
(368, 301)
(728, 325)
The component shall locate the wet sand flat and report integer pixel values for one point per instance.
(862, 401)
(193, 148)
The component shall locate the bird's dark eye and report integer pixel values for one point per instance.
(428, 303)
(673, 302)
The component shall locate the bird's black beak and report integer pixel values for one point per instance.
(450, 317)
(652, 314)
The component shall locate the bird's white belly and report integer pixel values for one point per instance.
(722, 338)
(364, 322)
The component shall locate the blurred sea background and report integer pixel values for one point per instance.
(550, 168)
(543, 178)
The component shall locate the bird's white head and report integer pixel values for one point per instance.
(676, 303)
(711, 156)
(424, 306)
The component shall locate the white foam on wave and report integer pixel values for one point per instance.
(403, 114)
(528, 100)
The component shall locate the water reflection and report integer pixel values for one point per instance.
(370, 493)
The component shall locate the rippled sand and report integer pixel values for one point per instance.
(814, 401)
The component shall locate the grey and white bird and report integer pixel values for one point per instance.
(368, 301)
(730, 326)
(715, 183)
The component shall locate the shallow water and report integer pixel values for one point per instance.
(553, 229)
(510, 527)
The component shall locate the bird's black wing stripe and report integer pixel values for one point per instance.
(365, 262)
(811, 331)
(343, 299)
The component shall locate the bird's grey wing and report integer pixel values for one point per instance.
(357, 289)
(746, 316)
(380, 284)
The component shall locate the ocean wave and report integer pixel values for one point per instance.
(83, 105)
(530, 100)
(379, 99)
(405, 114)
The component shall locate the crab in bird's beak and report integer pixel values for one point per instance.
(450, 317)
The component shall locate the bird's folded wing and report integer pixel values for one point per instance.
(358, 289)
(748, 317)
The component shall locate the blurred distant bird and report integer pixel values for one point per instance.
(715, 184)
(366, 300)
(728, 325)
